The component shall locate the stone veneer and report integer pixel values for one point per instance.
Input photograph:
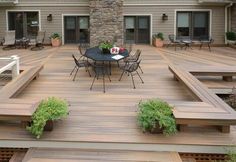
(234, 18)
(106, 21)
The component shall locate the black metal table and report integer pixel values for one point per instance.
(96, 54)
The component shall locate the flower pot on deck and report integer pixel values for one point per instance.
(56, 42)
(158, 43)
(48, 126)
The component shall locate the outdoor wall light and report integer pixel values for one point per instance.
(164, 17)
(49, 17)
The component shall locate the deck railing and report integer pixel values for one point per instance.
(13, 64)
(214, 1)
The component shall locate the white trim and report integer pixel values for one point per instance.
(63, 16)
(151, 23)
(39, 12)
(208, 10)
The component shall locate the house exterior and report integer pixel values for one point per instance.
(119, 20)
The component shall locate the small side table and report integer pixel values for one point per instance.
(22, 43)
(187, 44)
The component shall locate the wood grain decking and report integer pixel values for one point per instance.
(111, 117)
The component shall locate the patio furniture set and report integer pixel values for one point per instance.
(10, 41)
(187, 43)
(101, 64)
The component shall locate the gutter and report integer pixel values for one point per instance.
(226, 18)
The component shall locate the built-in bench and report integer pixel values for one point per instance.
(209, 108)
(18, 109)
(227, 72)
(15, 87)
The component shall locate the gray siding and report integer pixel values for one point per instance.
(167, 27)
(234, 18)
(192, 2)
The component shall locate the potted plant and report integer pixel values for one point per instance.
(158, 40)
(55, 39)
(105, 47)
(156, 116)
(48, 110)
(231, 37)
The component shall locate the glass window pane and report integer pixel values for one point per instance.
(183, 20)
(84, 23)
(201, 25)
(199, 20)
(32, 24)
(70, 23)
(143, 23)
(129, 22)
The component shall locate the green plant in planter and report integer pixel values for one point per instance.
(231, 36)
(231, 156)
(105, 47)
(51, 108)
(158, 36)
(155, 113)
(55, 36)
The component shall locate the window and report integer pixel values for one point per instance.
(26, 24)
(192, 25)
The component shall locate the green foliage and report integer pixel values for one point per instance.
(158, 36)
(232, 156)
(155, 112)
(105, 45)
(49, 109)
(231, 36)
(55, 36)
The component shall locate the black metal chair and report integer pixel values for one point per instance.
(134, 58)
(173, 41)
(131, 68)
(100, 70)
(206, 41)
(79, 64)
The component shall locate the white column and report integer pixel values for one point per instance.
(16, 66)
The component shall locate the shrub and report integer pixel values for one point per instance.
(231, 36)
(105, 45)
(49, 109)
(158, 35)
(55, 36)
(155, 112)
(231, 156)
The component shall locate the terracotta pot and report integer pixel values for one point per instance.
(56, 42)
(48, 126)
(158, 42)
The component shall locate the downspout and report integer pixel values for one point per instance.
(226, 18)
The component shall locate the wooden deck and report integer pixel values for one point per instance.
(110, 118)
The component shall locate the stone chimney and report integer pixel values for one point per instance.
(106, 21)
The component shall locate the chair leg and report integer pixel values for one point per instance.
(175, 47)
(75, 73)
(132, 80)
(103, 77)
(200, 46)
(93, 82)
(139, 76)
(121, 75)
(118, 64)
(209, 47)
(72, 70)
(140, 68)
(86, 67)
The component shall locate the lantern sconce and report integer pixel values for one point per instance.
(164, 17)
(49, 17)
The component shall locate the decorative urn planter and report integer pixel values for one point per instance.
(48, 126)
(56, 42)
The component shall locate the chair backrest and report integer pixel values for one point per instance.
(10, 37)
(40, 37)
(134, 66)
(75, 60)
(171, 37)
(137, 54)
(129, 47)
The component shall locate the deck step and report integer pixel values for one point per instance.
(82, 155)
(17, 156)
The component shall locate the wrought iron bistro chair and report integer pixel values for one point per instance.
(38, 41)
(134, 58)
(131, 68)
(100, 70)
(206, 41)
(79, 64)
(174, 42)
(9, 40)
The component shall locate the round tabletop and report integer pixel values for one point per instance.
(96, 54)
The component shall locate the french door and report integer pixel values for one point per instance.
(193, 25)
(26, 24)
(76, 29)
(137, 29)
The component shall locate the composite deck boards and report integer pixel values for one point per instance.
(111, 117)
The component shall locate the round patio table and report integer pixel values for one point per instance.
(96, 54)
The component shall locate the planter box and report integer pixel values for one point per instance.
(56, 42)
(158, 43)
